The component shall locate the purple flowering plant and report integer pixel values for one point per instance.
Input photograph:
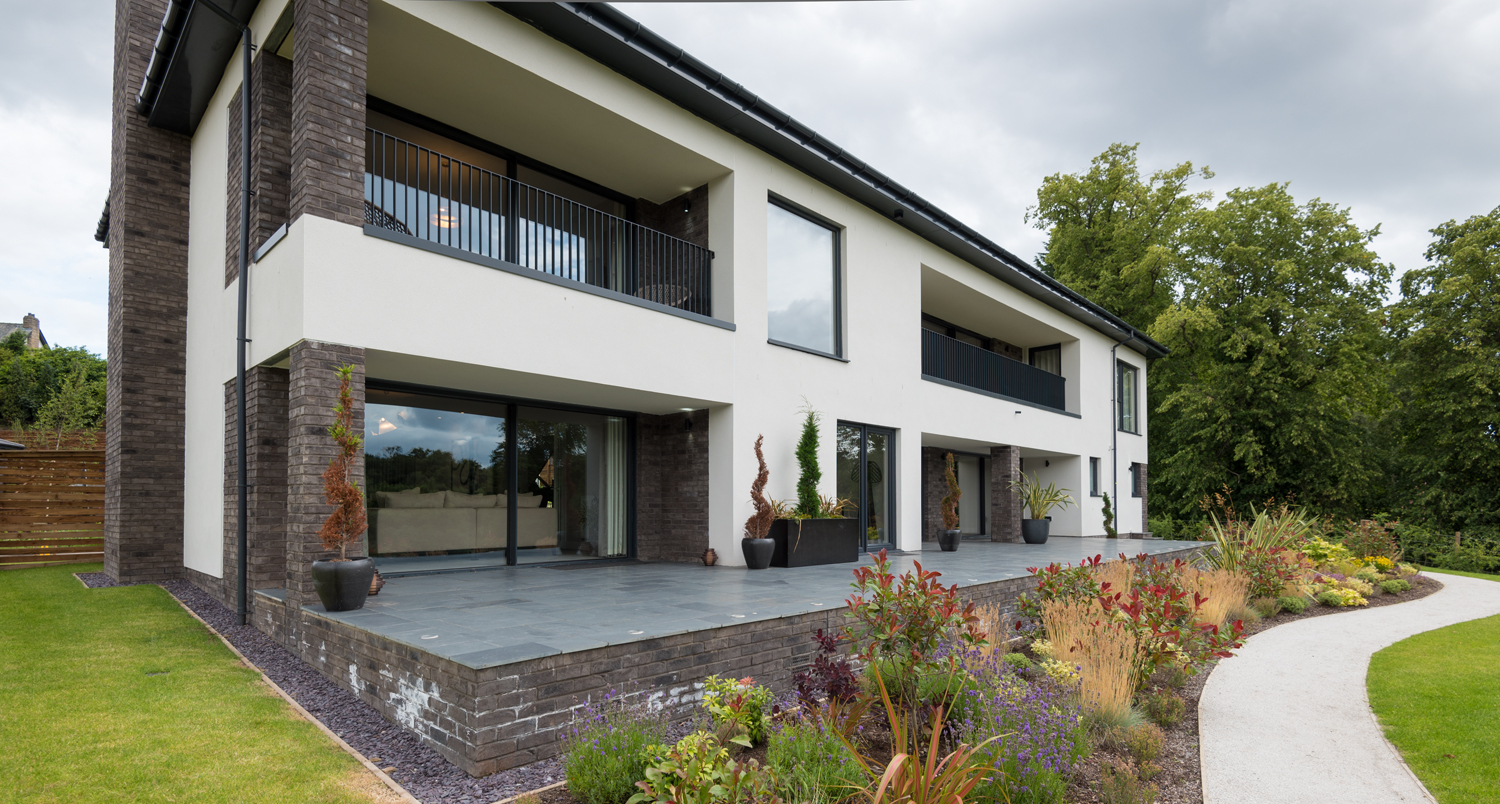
(1036, 728)
(606, 747)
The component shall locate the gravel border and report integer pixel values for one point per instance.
(426, 774)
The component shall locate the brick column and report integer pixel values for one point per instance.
(148, 206)
(934, 488)
(270, 158)
(312, 392)
(672, 486)
(1140, 489)
(1005, 503)
(265, 463)
(328, 109)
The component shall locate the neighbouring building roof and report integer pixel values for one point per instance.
(29, 325)
(201, 43)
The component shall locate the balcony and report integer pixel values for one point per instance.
(951, 361)
(414, 191)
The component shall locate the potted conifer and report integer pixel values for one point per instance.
(1039, 500)
(343, 583)
(815, 530)
(756, 546)
(949, 538)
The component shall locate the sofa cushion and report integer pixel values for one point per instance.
(433, 500)
(457, 499)
(524, 500)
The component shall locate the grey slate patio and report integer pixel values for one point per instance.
(487, 618)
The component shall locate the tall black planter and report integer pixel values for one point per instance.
(948, 540)
(343, 585)
(1034, 531)
(820, 541)
(757, 552)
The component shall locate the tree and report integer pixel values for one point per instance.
(347, 522)
(1276, 368)
(1446, 376)
(1115, 237)
(808, 503)
(78, 404)
(30, 378)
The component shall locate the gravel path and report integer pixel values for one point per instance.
(1288, 719)
(422, 771)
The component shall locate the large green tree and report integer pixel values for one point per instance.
(1277, 363)
(1446, 372)
(32, 378)
(1115, 236)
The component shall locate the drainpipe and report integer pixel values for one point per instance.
(1114, 431)
(247, 45)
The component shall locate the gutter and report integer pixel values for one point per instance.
(172, 24)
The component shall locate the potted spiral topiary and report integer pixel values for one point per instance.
(343, 583)
(949, 538)
(756, 546)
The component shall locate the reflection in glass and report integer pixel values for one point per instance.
(800, 281)
(877, 492)
(438, 483)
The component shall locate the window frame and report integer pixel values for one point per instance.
(837, 230)
(1031, 356)
(1135, 480)
(1096, 471)
(1121, 368)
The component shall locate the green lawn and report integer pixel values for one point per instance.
(118, 695)
(1435, 695)
(1465, 574)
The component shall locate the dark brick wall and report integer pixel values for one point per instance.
(669, 218)
(1005, 503)
(934, 488)
(266, 470)
(312, 393)
(328, 109)
(148, 201)
(1142, 486)
(270, 158)
(672, 486)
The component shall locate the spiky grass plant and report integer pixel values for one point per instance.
(1224, 591)
(1104, 653)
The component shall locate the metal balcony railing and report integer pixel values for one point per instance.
(419, 192)
(953, 360)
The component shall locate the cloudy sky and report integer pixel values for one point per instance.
(1389, 108)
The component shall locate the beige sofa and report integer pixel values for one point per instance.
(412, 522)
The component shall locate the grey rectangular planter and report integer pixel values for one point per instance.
(822, 541)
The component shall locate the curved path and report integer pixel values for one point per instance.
(1288, 720)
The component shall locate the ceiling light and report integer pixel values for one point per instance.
(443, 218)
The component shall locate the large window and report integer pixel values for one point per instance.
(866, 474)
(458, 483)
(802, 257)
(1126, 399)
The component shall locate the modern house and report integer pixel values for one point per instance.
(577, 272)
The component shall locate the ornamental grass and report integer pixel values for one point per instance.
(1118, 573)
(992, 621)
(1225, 591)
(1104, 652)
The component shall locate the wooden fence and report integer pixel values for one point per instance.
(51, 508)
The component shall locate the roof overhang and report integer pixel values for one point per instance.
(187, 63)
(610, 37)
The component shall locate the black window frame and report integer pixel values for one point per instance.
(1121, 368)
(1031, 356)
(1096, 470)
(838, 278)
(513, 404)
(1135, 480)
(892, 497)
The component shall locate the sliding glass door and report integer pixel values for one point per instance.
(866, 478)
(457, 483)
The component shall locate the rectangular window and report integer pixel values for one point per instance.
(450, 480)
(1093, 477)
(1135, 480)
(802, 277)
(1126, 402)
(1047, 358)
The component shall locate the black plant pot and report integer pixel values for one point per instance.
(809, 542)
(758, 552)
(343, 585)
(948, 540)
(1034, 531)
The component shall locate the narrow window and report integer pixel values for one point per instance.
(1135, 480)
(1125, 404)
(802, 297)
(1093, 477)
(1047, 358)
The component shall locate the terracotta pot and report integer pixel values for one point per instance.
(710, 557)
(377, 582)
